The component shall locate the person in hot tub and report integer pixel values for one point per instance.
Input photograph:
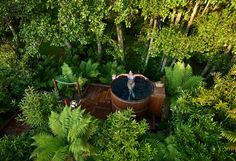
(130, 82)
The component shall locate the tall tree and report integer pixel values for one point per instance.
(122, 11)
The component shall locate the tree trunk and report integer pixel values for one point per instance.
(120, 38)
(205, 70)
(228, 49)
(178, 17)
(67, 43)
(211, 71)
(164, 64)
(68, 49)
(181, 25)
(206, 7)
(99, 46)
(192, 16)
(17, 44)
(150, 45)
(172, 20)
(173, 62)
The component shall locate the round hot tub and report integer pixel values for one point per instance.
(120, 93)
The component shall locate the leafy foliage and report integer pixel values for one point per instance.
(14, 78)
(15, 148)
(222, 98)
(108, 69)
(71, 131)
(120, 138)
(198, 136)
(165, 146)
(67, 74)
(181, 77)
(89, 69)
(36, 107)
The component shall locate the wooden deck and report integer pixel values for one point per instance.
(96, 100)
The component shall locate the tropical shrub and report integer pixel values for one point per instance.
(197, 134)
(108, 69)
(15, 148)
(14, 77)
(181, 77)
(222, 99)
(87, 71)
(71, 131)
(120, 138)
(165, 146)
(36, 107)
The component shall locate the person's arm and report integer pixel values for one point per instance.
(140, 75)
(127, 75)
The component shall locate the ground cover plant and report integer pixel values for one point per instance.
(188, 44)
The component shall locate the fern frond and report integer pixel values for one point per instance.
(192, 82)
(229, 135)
(68, 73)
(89, 69)
(178, 75)
(61, 154)
(55, 124)
(65, 120)
(232, 114)
(47, 146)
(231, 147)
(188, 73)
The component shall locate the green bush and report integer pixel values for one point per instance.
(87, 72)
(14, 77)
(15, 148)
(71, 131)
(181, 77)
(36, 107)
(108, 69)
(197, 134)
(120, 138)
(165, 146)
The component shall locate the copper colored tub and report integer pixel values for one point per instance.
(119, 94)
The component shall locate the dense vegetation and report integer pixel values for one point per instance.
(189, 44)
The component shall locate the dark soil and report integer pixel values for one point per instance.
(142, 88)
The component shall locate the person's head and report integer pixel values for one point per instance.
(131, 76)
